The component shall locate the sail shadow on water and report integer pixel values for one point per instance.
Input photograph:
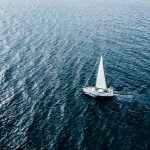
(103, 100)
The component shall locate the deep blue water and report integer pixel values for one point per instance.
(48, 49)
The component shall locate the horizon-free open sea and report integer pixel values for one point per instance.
(48, 49)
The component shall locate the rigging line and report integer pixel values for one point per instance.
(91, 73)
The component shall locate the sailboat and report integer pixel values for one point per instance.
(100, 89)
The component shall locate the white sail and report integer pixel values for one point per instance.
(100, 82)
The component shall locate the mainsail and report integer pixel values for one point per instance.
(100, 81)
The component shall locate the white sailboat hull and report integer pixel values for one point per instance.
(100, 89)
(95, 92)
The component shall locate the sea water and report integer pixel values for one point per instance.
(48, 49)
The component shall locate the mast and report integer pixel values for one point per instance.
(100, 81)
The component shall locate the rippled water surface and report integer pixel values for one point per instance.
(48, 50)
